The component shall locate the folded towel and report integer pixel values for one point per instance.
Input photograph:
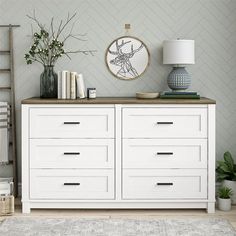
(4, 132)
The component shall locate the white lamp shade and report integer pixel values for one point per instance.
(178, 52)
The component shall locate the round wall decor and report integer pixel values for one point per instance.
(127, 58)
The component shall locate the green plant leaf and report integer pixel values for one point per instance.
(220, 163)
(224, 167)
(223, 176)
(229, 160)
(225, 192)
(234, 168)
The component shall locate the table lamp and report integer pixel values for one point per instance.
(178, 53)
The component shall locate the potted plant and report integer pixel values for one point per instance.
(226, 172)
(224, 201)
(48, 45)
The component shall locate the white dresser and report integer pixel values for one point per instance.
(118, 153)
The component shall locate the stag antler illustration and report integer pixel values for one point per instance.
(123, 59)
(118, 47)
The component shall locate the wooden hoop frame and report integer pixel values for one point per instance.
(131, 78)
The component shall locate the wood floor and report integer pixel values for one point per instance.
(131, 214)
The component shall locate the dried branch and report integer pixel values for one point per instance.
(35, 20)
(59, 28)
(66, 23)
(85, 52)
(52, 30)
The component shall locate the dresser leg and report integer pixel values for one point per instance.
(211, 207)
(25, 208)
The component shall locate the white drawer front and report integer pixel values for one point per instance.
(165, 153)
(165, 184)
(71, 122)
(71, 184)
(165, 122)
(72, 153)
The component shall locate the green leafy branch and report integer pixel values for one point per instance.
(47, 45)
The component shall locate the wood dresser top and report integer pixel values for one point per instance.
(117, 100)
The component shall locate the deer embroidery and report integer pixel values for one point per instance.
(122, 60)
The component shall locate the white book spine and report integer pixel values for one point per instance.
(63, 84)
(73, 85)
(67, 85)
(59, 85)
(80, 86)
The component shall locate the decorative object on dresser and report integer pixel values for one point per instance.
(226, 173)
(66, 88)
(91, 93)
(178, 53)
(179, 95)
(127, 57)
(147, 95)
(80, 86)
(118, 153)
(47, 47)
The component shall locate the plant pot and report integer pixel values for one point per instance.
(224, 204)
(48, 83)
(232, 185)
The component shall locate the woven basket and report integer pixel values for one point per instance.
(6, 205)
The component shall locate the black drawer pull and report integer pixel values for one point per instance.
(164, 153)
(71, 123)
(165, 123)
(71, 184)
(165, 184)
(71, 153)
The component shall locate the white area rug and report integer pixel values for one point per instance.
(31, 226)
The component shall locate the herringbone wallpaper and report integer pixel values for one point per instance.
(211, 23)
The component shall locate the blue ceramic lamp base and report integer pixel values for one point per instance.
(178, 79)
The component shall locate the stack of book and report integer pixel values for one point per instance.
(183, 95)
(70, 85)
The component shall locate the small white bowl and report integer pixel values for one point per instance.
(147, 95)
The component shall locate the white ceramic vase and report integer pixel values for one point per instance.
(224, 204)
(232, 185)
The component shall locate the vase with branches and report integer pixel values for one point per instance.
(48, 45)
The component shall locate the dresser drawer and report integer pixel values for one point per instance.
(72, 153)
(71, 122)
(71, 184)
(165, 184)
(164, 153)
(165, 122)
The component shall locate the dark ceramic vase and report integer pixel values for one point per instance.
(48, 83)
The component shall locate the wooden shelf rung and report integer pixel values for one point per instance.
(5, 70)
(3, 88)
(4, 52)
(8, 26)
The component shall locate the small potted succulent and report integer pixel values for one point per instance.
(224, 201)
(48, 45)
(226, 173)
